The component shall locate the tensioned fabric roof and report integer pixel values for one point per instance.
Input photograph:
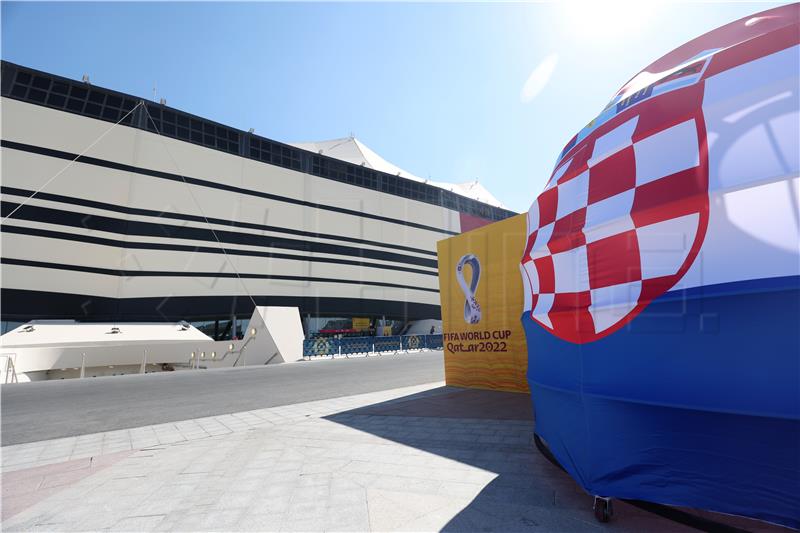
(354, 151)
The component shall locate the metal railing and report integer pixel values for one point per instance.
(370, 345)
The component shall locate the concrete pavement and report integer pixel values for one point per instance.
(422, 458)
(64, 408)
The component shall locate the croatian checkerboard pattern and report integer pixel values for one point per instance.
(621, 219)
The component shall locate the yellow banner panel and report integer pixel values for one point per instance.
(361, 324)
(481, 294)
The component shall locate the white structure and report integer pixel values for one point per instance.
(50, 349)
(116, 209)
(354, 151)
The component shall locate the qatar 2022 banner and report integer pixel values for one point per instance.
(482, 299)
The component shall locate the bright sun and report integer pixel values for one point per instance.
(605, 21)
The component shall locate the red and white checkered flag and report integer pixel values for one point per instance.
(621, 219)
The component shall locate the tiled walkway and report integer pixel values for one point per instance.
(33, 454)
(420, 458)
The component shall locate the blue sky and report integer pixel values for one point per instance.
(436, 88)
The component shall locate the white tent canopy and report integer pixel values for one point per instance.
(354, 151)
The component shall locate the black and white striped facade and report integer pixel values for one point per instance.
(121, 233)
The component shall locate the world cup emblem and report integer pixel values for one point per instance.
(472, 309)
(321, 347)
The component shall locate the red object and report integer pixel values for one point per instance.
(337, 331)
(612, 188)
(470, 222)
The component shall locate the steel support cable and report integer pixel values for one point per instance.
(199, 207)
(57, 174)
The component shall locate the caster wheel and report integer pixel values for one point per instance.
(603, 510)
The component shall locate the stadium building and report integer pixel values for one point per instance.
(148, 213)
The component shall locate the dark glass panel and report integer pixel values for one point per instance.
(60, 88)
(93, 109)
(41, 82)
(56, 100)
(78, 92)
(23, 77)
(75, 105)
(36, 95)
(114, 101)
(111, 113)
(19, 91)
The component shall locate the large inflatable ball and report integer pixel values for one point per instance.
(662, 277)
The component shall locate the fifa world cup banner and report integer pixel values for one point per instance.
(482, 299)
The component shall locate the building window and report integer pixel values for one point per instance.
(60, 88)
(41, 82)
(78, 92)
(23, 77)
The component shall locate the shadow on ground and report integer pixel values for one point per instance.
(493, 431)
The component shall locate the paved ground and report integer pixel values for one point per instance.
(422, 458)
(52, 409)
